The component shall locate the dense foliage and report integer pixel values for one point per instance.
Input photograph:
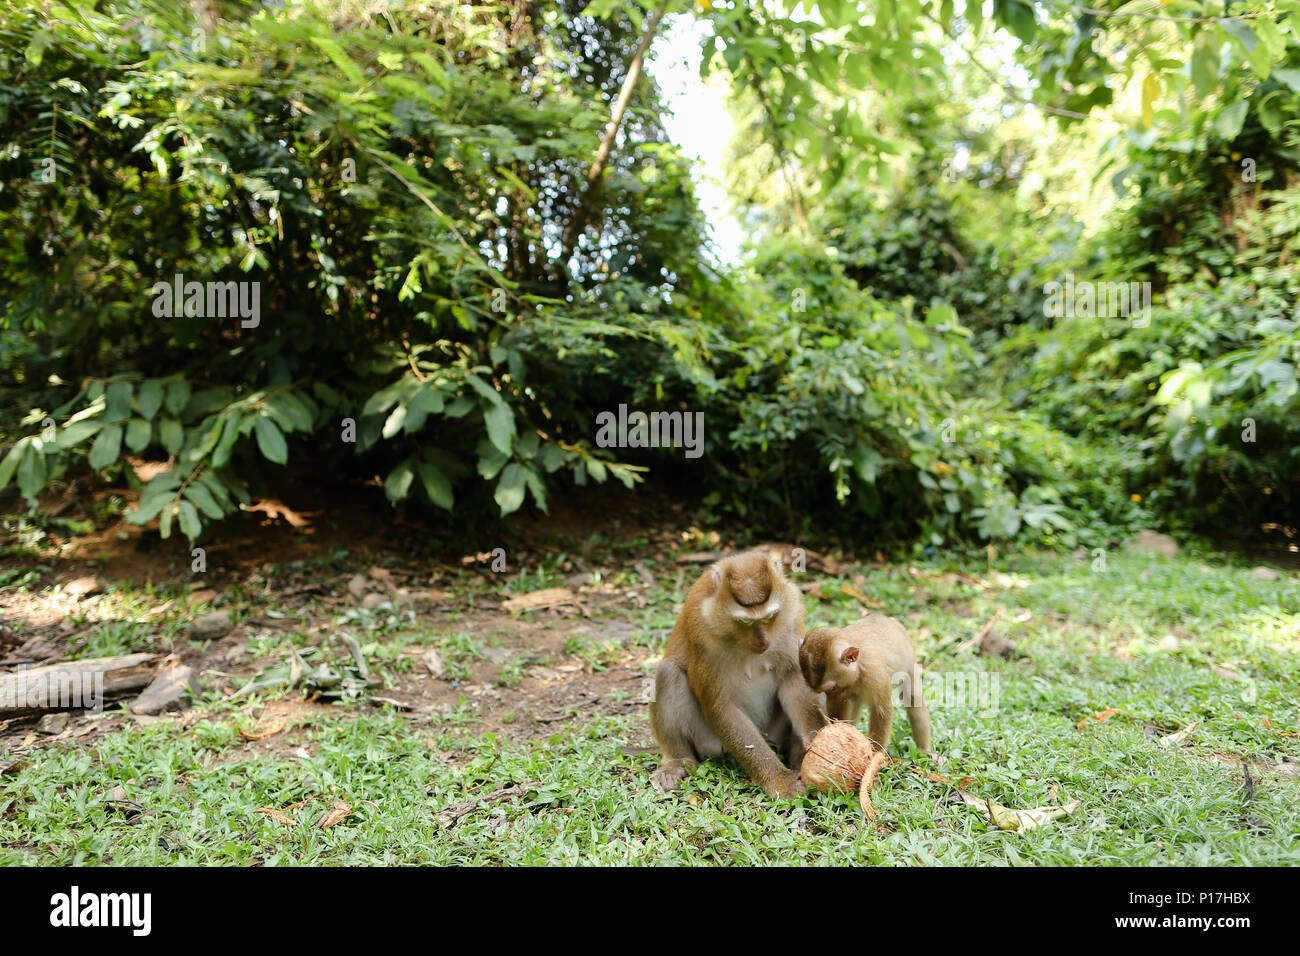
(449, 292)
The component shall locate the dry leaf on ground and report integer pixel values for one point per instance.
(1106, 714)
(1006, 818)
(1177, 738)
(277, 816)
(334, 815)
(546, 597)
(263, 729)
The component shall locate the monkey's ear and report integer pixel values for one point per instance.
(777, 565)
(848, 655)
(715, 576)
(802, 640)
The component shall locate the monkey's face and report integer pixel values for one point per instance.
(749, 594)
(754, 630)
(829, 665)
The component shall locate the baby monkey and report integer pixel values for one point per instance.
(859, 663)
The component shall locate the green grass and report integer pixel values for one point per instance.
(1091, 641)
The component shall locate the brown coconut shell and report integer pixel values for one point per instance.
(837, 759)
(868, 778)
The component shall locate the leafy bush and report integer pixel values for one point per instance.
(370, 185)
(1203, 397)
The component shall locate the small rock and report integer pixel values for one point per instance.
(165, 692)
(1153, 542)
(1264, 574)
(358, 586)
(432, 661)
(52, 724)
(83, 587)
(374, 601)
(497, 655)
(382, 576)
(994, 644)
(209, 627)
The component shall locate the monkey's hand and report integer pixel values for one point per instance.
(669, 776)
(785, 787)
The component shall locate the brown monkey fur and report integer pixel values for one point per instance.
(729, 680)
(859, 664)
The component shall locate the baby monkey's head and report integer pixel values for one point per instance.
(828, 662)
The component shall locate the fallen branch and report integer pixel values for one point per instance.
(968, 644)
(41, 688)
(448, 817)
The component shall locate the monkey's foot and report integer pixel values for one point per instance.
(669, 776)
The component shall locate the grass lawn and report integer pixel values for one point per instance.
(552, 702)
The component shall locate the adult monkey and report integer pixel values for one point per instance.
(730, 676)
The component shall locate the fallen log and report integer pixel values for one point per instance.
(74, 685)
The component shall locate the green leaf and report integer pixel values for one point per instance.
(340, 59)
(138, 433)
(436, 485)
(41, 41)
(170, 434)
(270, 441)
(500, 423)
(510, 489)
(106, 448)
(118, 396)
(459, 406)
(150, 398)
(31, 471)
(553, 456)
(72, 435)
(490, 460)
(1176, 381)
(1289, 76)
(1228, 122)
(1240, 31)
(190, 523)
(428, 400)
(1017, 17)
(398, 484)
(534, 482)
(178, 396)
(1205, 63)
(10, 463)
(148, 507)
(202, 497)
(390, 395)
(395, 421)
(229, 435)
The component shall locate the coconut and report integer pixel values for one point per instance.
(868, 778)
(837, 759)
